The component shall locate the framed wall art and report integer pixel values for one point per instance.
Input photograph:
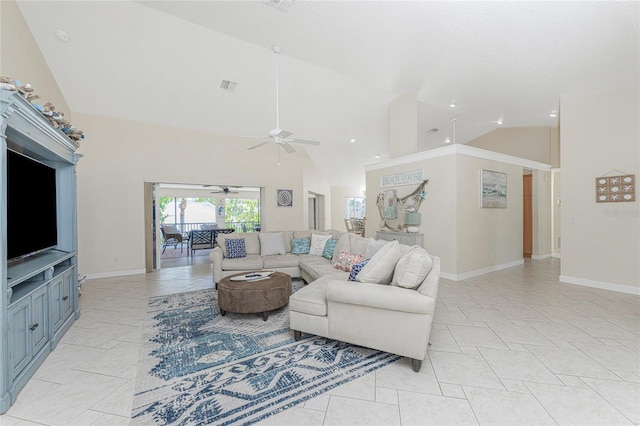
(494, 189)
(285, 197)
(616, 189)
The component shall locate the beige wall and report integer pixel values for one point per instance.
(541, 217)
(600, 242)
(487, 238)
(438, 209)
(23, 60)
(533, 143)
(403, 125)
(120, 156)
(469, 239)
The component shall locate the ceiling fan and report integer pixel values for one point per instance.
(277, 135)
(224, 190)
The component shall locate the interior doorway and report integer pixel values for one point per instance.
(315, 211)
(527, 214)
(191, 207)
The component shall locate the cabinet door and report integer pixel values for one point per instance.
(56, 301)
(66, 304)
(39, 319)
(19, 336)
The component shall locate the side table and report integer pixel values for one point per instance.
(406, 238)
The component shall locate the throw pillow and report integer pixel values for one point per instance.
(412, 268)
(317, 244)
(271, 243)
(235, 248)
(382, 265)
(346, 261)
(373, 247)
(300, 245)
(355, 270)
(327, 253)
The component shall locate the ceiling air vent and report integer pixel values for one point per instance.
(434, 130)
(229, 86)
(281, 5)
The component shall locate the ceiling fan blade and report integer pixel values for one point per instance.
(285, 133)
(257, 146)
(288, 147)
(304, 141)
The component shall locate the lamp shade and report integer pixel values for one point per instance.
(412, 218)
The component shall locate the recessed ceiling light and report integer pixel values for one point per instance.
(553, 114)
(447, 140)
(452, 105)
(352, 140)
(499, 121)
(377, 156)
(61, 36)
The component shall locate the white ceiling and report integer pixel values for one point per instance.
(342, 63)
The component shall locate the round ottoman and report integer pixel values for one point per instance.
(248, 297)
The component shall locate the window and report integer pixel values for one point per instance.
(355, 207)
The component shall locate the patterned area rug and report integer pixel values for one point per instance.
(198, 367)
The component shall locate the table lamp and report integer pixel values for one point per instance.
(411, 221)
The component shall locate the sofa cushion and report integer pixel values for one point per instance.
(355, 269)
(288, 236)
(343, 244)
(381, 266)
(358, 244)
(412, 268)
(300, 245)
(317, 244)
(373, 247)
(271, 243)
(329, 248)
(235, 248)
(251, 243)
(253, 262)
(280, 261)
(307, 234)
(318, 266)
(347, 260)
(311, 299)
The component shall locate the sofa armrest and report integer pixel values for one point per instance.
(379, 296)
(216, 257)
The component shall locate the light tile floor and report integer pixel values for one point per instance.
(513, 347)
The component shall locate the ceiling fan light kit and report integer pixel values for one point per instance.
(277, 135)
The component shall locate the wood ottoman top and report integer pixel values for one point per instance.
(246, 297)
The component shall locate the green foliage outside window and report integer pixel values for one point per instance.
(239, 210)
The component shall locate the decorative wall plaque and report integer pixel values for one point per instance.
(616, 189)
(285, 198)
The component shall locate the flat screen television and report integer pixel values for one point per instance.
(32, 224)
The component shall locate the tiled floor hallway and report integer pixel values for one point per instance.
(513, 347)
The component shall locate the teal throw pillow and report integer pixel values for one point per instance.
(327, 253)
(300, 245)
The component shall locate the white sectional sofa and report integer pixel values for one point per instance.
(387, 306)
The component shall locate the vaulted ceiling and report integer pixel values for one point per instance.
(342, 64)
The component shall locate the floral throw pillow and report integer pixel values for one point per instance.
(300, 245)
(355, 269)
(235, 248)
(346, 260)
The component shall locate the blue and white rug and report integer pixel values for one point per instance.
(197, 367)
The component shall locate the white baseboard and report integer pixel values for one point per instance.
(620, 288)
(478, 272)
(115, 274)
(540, 256)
